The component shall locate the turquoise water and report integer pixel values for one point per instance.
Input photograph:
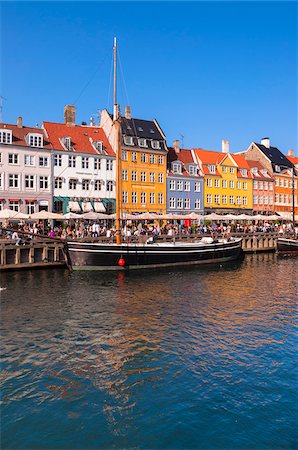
(201, 358)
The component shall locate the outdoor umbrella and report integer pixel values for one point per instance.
(95, 216)
(72, 215)
(46, 215)
(10, 214)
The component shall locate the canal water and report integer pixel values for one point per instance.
(196, 358)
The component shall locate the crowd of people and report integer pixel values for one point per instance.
(23, 233)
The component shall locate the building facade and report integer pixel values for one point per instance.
(143, 163)
(185, 184)
(263, 188)
(25, 169)
(83, 162)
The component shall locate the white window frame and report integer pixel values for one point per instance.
(128, 140)
(5, 136)
(29, 160)
(14, 159)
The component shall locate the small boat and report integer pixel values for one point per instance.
(287, 245)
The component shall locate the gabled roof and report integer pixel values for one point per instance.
(293, 159)
(209, 156)
(144, 129)
(275, 156)
(81, 137)
(184, 156)
(259, 166)
(19, 134)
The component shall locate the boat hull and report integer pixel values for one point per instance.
(97, 256)
(285, 245)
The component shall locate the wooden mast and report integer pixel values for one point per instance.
(116, 120)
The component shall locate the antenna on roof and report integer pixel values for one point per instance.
(1, 107)
(181, 138)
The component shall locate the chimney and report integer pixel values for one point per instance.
(176, 146)
(127, 112)
(70, 115)
(92, 122)
(225, 146)
(291, 152)
(266, 142)
(20, 122)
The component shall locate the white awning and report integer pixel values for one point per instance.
(87, 207)
(74, 207)
(99, 207)
(286, 215)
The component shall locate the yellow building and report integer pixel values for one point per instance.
(228, 183)
(143, 163)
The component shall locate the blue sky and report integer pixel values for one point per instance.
(206, 70)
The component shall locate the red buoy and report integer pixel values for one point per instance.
(121, 262)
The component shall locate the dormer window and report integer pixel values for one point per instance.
(155, 144)
(212, 168)
(192, 170)
(35, 140)
(177, 168)
(254, 170)
(264, 171)
(128, 140)
(142, 142)
(277, 168)
(151, 131)
(5, 136)
(98, 146)
(243, 172)
(66, 141)
(140, 129)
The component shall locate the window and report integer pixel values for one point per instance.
(209, 198)
(197, 203)
(85, 162)
(152, 198)
(97, 163)
(286, 184)
(271, 200)
(192, 170)
(71, 161)
(244, 200)
(98, 145)
(224, 183)
(155, 144)
(160, 159)
(143, 176)
(35, 140)
(187, 186)
(172, 202)
(266, 185)
(281, 198)
(276, 198)
(5, 136)
(231, 184)
(13, 180)
(72, 184)
(187, 203)
(152, 177)
(160, 198)
(264, 172)
(124, 155)
(85, 184)
(238, 200)
(13, 158)
(43, 182)
(265, 199)
(1, 182)
(30, 207)
(124, 197)
(142, 142)
(128, 140)
(134, 197)
(29, 160)
(216, 183)
(58, 183)
(109, 164)
(197, 186)
(260, 184)
(276, 182)
(243, 172)
(134, 156)
(160, 177)
(254, 170)
(245, 185)
(224, 200)
(177, 168)
(255, 184)
(224, 169)
(152, 159)
(179, 185)
(110, 186)
(212, 168)
(29, 182)
(270, 186)
(134, 176)
(238, 184)
(216, 199)
(231, 169)
(125, 175)
(179, 203)
(14, 205)
(67, 143)
(232, 200)
(172, 185)
(143, 198)
(286, 199)
(144, 158)
(208, 182)
(256, 198)
(97, 185)
(58, 160)
(281, 182)
(43, 161)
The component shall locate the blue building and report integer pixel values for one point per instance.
(185, 183)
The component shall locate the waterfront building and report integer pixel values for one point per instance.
(283, 171)
(143, 162)
(185, 183)
(25, 168)
(263, 188)
(83, 161)
(227, 181)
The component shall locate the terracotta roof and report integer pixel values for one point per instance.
(81, 137)
(184, 156)
(293, 159)
(259, 166)
(240, 161)
(19, 135)
(209, 156)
